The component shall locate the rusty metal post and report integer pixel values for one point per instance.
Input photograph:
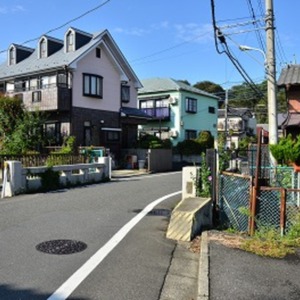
(256, 183)
(282, 210)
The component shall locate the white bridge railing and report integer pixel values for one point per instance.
(18, 180)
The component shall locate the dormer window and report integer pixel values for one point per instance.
(75, 39)
(43, 48)
(98, 52)
(12, 56)
(70, 41)
(17, 53)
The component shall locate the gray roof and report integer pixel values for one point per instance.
(289, 76)
(60, 59)
(235, 112)
(156, 85)
(33, 65)
(282, 118)
(135, 112)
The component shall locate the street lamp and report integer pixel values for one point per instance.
(248, 48)
(272, 101)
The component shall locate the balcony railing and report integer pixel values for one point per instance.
(48, 98)
(159, 113)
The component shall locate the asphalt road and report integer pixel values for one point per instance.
(130, 265)
(237, 274)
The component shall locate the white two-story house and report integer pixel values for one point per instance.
(241, 122)
(84, 84)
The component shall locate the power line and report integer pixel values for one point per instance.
(171, 48)
(67, 23)
(218, 35)
(255, 21)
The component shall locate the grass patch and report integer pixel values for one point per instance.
(268, 242)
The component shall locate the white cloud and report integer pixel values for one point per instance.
(194, 32)
(12, 9)
(132, 31)
(161, 25)
(17, 8)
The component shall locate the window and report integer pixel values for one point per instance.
(156, 108)
(92, 85)
(52, 133)
(62, 80)
(36, 96)
(125, 93)
(35, 83)
(113, 136)
(12, 56)
(211, 110)
(191, 105)
(190, 134)
(43, 48)
(98, 52)
(70, 41)
(20, 86)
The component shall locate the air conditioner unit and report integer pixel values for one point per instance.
(173, 100)
(173, 133)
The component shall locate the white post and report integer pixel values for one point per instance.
(271, 75)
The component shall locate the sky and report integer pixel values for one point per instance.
(164, 38)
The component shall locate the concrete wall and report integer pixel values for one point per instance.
(159, 160)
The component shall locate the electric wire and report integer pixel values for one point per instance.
(218, 35)
(255, 21)
(65, 24)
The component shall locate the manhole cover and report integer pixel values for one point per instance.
(61, 247)
(159, 212)
(156, 212)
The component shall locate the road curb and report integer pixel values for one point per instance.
(203, 272)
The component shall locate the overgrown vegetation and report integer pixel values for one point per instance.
(20, 130)
(148, 141)
(50, 180)
(287, 150)
(61, 157)
(224, 155)
(204, 141)
(205, 179)
(268, 241)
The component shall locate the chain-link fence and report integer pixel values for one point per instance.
(234, 200)
(276, 207)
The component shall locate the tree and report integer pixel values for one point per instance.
(212, 88)
(20, 130)
(184, 81)
(243, 96)
(10, 110)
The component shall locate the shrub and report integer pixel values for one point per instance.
(50, 180)
(148, 141)
(189, 147)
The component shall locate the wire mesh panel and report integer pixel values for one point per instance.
(268, 209)
(234, 200)
(283, 177)
(292, 208)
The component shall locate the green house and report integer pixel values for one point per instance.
(179, 111)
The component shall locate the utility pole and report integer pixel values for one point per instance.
(271, 75)
(226, 118)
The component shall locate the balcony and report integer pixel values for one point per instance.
(49, 98)
(158, 114)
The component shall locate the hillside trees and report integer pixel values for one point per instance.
(244, 96)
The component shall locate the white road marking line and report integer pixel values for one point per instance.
(140, 177)
(66, 289)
